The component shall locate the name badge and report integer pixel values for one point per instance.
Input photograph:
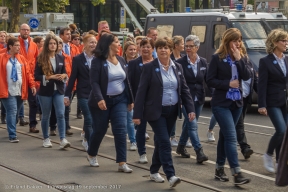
(60, 63)
(86, 63)
(202, 68)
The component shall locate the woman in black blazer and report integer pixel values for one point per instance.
(161, 91)
(272, 93)
(110, 96)
(50, 71)
(81, 65)
(226, 71)
(135, 68)
(195, 69)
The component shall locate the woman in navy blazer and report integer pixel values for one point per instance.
(226, 71)
(110, 96)
(50, 71)
(195, 69)
(161, 91)
(135, 68)
(272, 93)
(81, 65)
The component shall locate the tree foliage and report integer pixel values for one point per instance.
(98, 2)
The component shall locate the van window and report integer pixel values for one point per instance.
(218, 31)
(199, 31)
(165, 30)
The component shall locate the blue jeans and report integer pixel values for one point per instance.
(83, 103)
(162, 128)
(12, 105)
(278, 116)
(227, 118)
(140, 137)
(190, 129)
(117, 113)
(21, 111)
(212, 122)
(130, 127)
(46, 106)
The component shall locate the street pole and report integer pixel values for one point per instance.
(34, 6)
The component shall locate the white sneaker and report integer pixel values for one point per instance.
(133, 147)
(268, 163)
(143, 159)
(64, 144)
(147, 136)
(210, 136)
(82, 135)
(189, 144)
(85, 145)
(174, 181)
(47, 143)
(157, 178)
(124, 168)
(92, 161)
(174, 142)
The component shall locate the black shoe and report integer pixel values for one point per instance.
(220, 175)
(181, 150)
(239, 179)
(200, 156)
(22, 122)
(3, 119)
(247, 153)
(79, 114)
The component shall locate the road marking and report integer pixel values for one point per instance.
(193, 157)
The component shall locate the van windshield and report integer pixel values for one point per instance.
(278, 24)
(253, 39)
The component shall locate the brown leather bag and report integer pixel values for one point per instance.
(282, 170)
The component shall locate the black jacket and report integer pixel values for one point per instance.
(148, 102)
(99, 81)
(219, 76)
(48, 90)
(272, 83)
(172, 57)
(195, 84)
(254, 82)
(135, 68)
(80, 72)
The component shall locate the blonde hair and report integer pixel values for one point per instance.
(139, 37)
(127, 44)
(273, 37)
(177, 40)
(228, 36)
(102, 22)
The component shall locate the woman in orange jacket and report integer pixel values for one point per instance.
(14, 81)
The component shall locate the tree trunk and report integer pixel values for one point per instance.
(14, 25)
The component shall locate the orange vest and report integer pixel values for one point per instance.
(27, 79)
(32, 54)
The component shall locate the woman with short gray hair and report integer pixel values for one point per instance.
(195, 69)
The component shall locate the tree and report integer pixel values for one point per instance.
(15, 16)
(98, 2)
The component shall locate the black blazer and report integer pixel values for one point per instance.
(80, 72)
(254, 82)
(272, 83)
(148, 102)
(195, 84)
(48, 90)
(99, 81)
(134, 73)
(172, 57)
(218, 77)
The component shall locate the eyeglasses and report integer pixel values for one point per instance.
(284, 41)
(190, 46)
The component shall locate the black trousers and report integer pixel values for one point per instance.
(241, 137)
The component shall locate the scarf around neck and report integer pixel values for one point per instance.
(233, 93)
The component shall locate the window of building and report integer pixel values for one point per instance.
(165, 30)
(199, 31)
(218, 30)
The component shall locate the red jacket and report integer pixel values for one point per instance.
(27, 78)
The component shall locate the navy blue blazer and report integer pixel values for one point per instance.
(195, 84)
(219, 76)
(135, 68)
(148, 102)
(254, 82)
(48, 90)
(80, 72)
(272, 83)
(172, 57)
(99, 81)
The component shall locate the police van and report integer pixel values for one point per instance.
(209, 26)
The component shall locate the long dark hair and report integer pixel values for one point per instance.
(102, 48)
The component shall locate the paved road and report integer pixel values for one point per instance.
(70, 167)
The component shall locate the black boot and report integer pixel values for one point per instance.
(3, 119)
(239, 179)
(181, 150)
(247, 153)
(22, 122)
(200, 156)
(220, 175)
(79, 114)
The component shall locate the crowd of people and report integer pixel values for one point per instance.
(148, 80)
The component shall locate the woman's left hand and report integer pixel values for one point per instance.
(62, 77)
(236, 53)
(191, 116)
(130, 106)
